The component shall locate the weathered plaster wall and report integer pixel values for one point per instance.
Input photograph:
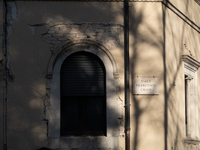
(180, 39)
(32, 42)
(30, 53)
(146, 60)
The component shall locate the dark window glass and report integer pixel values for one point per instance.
(83, 99)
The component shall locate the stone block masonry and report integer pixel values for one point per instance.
(108, 34)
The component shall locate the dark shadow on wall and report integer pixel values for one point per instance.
(43, 148)
(30, 71)
(29, 77)
(29, 60)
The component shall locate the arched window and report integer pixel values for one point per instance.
(82, 82)
(83, 95)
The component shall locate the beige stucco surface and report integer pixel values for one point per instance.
(189, 8)
(29, 61)
(146, 60)
(180, 39)
(158, 39)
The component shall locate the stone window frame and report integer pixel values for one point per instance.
(113, 110)
(190, 70)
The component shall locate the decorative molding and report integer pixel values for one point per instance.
(165, 2)
(197, 1)
(52, 99)
(81, 42)
(191, 63)
(176, 11)
(181, 15)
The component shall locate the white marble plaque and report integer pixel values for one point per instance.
(145, 85)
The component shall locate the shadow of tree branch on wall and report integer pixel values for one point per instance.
(143, 33)
(148, 45)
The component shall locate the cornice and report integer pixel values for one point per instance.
(193, 63)
(182, 15)
(165, 2)
(198, 2)
(94, 0)
(176, 11)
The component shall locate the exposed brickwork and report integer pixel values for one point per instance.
(107, 34)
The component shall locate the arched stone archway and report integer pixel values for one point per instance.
(113, 109)
(85, 45)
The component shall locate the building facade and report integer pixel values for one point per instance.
(63, 75)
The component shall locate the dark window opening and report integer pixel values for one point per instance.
(83, 95)
(186, 103)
